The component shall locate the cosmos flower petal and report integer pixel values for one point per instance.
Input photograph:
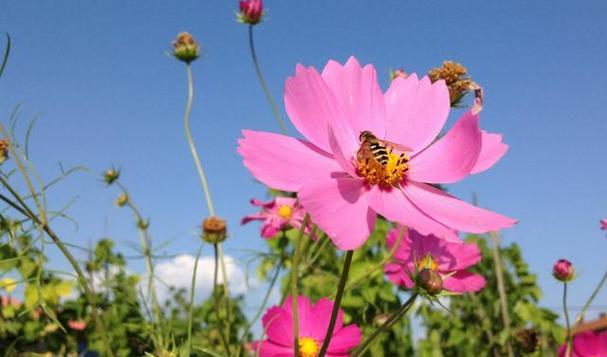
(398, 275)
(416, 111)
(396, 207)
(339, 207)
(344, 340)
(279, 328)
(453, 212)
(282, 162)
(492, 150)
(321, 316)
(359, 96)
(311, 105)
(464, 281)
(452, 157)
(272, 349)
(345, 162)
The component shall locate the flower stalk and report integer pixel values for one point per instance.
(567, 324)
(294, 278)
(591, 298)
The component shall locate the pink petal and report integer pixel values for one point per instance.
(416, 110)
(452, 157)
(311, 105)
(280, 328)
(343, 156)
(271, 349)
(339, 207)
(358, 94)
(269, 231)
(321, 315)
(397, 274)
(344, 340)
(253, 217)
(256, 202)
(456, 256)
(282, 162)
(463, 282)
(396, 207)
(492, 150)
(455, 213)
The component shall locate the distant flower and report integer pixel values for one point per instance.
(604, 224)
(3, 150)
(563, 270)
(7, 301)
(76, 325)
(279, 214)
(313, 322)
(122, 200)
(450, 260)
(398, 73)
(214, 230)
(251, 11)
(456, 77)
(587, 344)
(111, 175)
(8, 284)
(186, 48)
(343, 185)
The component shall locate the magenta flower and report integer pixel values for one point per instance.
(563, 270)
(251, 11)
(587, 344)
(76, 325)
(449, 259)
(313, 323)
(604, 224)
(278, 214)
(342, 187)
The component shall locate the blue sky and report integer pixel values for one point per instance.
(98, 75)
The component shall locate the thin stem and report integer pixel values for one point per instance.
(589, 302)
(567, 325)
(501, 289)
(386, 325)
(264, 86)
(294, 278)
(216, 298)
(336, 304)
(188, 134)
(192, 295)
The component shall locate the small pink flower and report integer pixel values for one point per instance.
(76, 325)
(563, 270)
(344, 190)
(313, 323)
(587, 344)
(449, 259)
(278, 214)
(604, 224)
(9, 301)
(251, 11)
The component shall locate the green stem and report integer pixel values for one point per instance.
(386, 325)
(568, 326)
(216, 298)
(594, 294)
(501, 288)
(264, 86)
(294, 278)
(192, 294)
(336, 304)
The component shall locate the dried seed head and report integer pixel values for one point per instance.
(214, 230)
(122, 200)
(456, 78)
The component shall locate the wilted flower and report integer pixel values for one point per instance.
(111, 175)
(122, 200)
(456, 77)
(587, 344)
(251, 11)
(76, 325)
(341, 182)
(313, 322)
(186, 48)
(398, 73)
(3, 150)
(435, 262)
(214, 230)
(8, 284)
(279, 214)
(563, 270)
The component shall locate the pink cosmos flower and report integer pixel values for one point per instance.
(278, 214)
(251, 11)
(76, 325)
(343, 191)
(587, 344)
(562, 270)
(604, 224)
(313, 323)
(449, 259)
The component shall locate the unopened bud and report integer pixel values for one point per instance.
(456, 78)
(186, 48)
(122, 200)
(214, 230)
(563, 270)
(430, 281)
(398, 73)
(111, 175)
(3, 150)
(251, 11)
(143, 224)
(526, 340)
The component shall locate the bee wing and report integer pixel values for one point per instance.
(399, 147)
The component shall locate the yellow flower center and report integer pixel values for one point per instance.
(308, 347)
(427, 262)
(380, 165)
(285, 211)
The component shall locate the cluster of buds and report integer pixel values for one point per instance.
(111, 175)
(563, 270)
(214, 230)
(186, 48)
(3, 150)
(251, 12)
(456, 78)
(122, 200)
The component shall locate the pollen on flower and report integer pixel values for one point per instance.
(391, 174)
(285, 211)
(308, 347)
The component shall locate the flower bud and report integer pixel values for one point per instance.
(604, 224)
(214, 230)
(122, 200)
(526, 340)
(563, 270)
(398, 73)
(456, 78)
(3, 150)
(186, 48)
(111, 175)
(143, 224)
(251, 11)
(430, 281)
